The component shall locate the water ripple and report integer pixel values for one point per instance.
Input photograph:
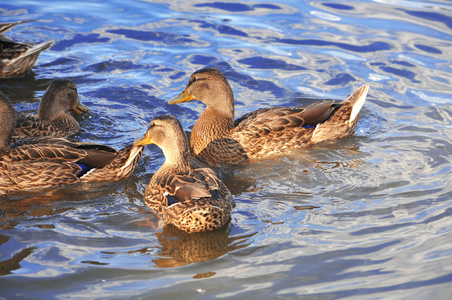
(365, 217)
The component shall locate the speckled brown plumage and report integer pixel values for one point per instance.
(17, 58)
(48, 162)
(52, 118)
(4, 27)
(217, 139)
(193, 200)
(122, 166)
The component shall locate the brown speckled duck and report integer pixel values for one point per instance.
(193, 200)
(47, 162)
(17, 58)
(53, 118)
(217, 140)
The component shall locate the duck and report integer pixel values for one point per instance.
(18, 58)
(193, 200)
(217, 139)
(49, 162)
(52, 118)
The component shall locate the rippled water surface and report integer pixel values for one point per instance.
(368, 217)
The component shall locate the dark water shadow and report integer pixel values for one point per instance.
(23, 89)
(238, 7)
(431, 16)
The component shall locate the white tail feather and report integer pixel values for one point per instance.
(133, 153)
(35, 49)
(359, 103)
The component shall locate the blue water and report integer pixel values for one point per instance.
(368, 217)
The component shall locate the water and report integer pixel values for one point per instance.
(368, 217)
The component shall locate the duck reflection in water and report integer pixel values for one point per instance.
(9, 265)
(178, 248)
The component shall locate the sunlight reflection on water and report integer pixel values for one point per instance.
(368, 216)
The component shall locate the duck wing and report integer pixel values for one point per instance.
(25, 175)
(278, 118)
(44, 166)
(120, 167)
(4, 27)
(274, 129)
(29, 126)
(54, 148)
(183, 187)
(18, 58)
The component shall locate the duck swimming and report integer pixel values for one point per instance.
(216, 139)
(17, 58)
(48, 162)
(53, 118)
(193, 200)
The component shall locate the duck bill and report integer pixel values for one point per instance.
(183, 97)
(80, 108)
(145, 140)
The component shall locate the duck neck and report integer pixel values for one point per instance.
(210, 126)
(7, 125)
(6, 133)
(214, 124)
(177, 160)
(170, 166)
(44, 111)
(47, 109)
(4, 146)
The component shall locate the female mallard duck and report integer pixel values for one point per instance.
(17, 58)
(217, 140)
(193, 200)
(48, 162)
(53, 118)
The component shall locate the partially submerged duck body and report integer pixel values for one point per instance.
(18, 58)
(48, 162)
(53, 119)
(193, 200)
(216, 139)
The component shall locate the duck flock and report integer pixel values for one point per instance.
(37, 152)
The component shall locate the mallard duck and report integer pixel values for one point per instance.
(17, 58)
(217, 140)
(48, 162)
(53, 118)
(193, 200)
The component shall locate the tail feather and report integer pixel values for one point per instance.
(24, 62)
(4, 27)
(342, 122)
(33, 51)
(356, 101)
(133, 153)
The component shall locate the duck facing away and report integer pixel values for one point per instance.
(17, 58)
(53, 118)
(216, 139)
(193, 200)
(48, 162)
